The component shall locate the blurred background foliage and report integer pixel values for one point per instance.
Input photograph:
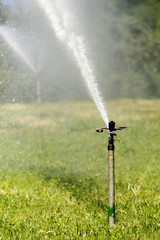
(124, 40)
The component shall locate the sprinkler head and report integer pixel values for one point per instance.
(111, 128)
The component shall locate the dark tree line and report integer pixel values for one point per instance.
(139, 46)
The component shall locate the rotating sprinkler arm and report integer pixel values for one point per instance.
(111, 128)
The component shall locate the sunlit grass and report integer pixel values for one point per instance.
(53, 175)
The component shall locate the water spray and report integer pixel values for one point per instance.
(111, 169)
(66, 26)
(38, 90)
(26, 50)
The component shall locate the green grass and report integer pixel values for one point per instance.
(53, 171)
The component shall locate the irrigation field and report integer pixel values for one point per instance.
(53, 171)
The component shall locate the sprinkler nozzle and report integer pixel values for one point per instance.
(112, 126)
(99, 130)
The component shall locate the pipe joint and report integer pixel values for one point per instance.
(111, 147)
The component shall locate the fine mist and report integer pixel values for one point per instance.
(113, 35)
(23, 46)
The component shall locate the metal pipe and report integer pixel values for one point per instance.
(111, 180)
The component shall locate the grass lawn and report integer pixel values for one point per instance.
(54, 171)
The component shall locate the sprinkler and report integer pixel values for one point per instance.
(111, 172)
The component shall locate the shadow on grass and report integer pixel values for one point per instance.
(82, 187)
